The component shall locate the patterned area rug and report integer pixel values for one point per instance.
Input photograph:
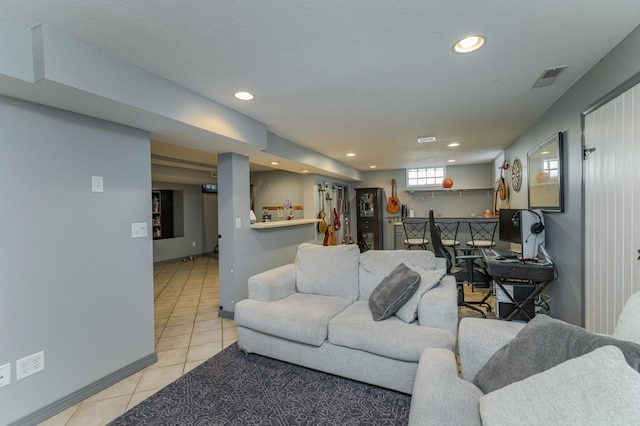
(234, 388)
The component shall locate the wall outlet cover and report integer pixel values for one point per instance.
(5, 375)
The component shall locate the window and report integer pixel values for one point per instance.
(551, 167)
(497, 164)
(425, 176)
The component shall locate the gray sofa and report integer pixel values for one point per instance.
(315, 313)
(598, 387)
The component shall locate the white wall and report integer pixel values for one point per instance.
(73, 283)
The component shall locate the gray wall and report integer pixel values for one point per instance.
(73, 282)
(564, 233)
(466, 198)
(200, 224)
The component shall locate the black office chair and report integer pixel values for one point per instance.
(467, 272)
(449, 236)
(415, 232)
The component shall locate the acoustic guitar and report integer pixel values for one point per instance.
(503, 189)
(322, 225)
(393, 206)
(330, 234)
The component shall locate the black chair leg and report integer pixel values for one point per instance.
(461, 301)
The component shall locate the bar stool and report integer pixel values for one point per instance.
(482, 235)
(449, 236)
(415, 232)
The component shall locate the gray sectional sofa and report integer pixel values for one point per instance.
(315, 313)
(543, 373)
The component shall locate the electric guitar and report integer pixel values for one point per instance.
(392, 205)
(347, 234)
(322, 225)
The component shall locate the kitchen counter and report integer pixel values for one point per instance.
(283, 223)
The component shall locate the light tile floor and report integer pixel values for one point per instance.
(187, 331)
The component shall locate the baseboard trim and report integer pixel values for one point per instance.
(226, 314)
(85, 392)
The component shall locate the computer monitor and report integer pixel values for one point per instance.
(509, 226)
(524, 227)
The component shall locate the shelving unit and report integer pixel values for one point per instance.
(162, 214)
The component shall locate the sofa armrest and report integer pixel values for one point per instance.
(438, 307)
(274, 284)
(479, 339)
(439, 396)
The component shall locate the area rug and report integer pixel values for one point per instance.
(234, 388)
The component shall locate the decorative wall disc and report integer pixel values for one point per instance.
(516, 175)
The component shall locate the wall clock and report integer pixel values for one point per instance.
(516, 175)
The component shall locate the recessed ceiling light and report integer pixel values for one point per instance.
(427, 139)
(351, 154)
(372, 167)
(274, 163)
(469, 44)
(305, 171)
(451, 161)
(452, 144)
(243, 96)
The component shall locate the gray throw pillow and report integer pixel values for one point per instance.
(393, 291)
(542, 344)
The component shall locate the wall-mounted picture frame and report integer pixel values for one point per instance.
(546, 175)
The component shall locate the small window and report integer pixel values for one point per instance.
(425, 176)
(498, 162)
(551, 167)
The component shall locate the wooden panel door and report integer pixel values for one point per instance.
(612, 208)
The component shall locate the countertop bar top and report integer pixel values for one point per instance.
(282, 223)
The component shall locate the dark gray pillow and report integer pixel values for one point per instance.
(393, 292)
(542, 344)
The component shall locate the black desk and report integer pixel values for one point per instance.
(511, 272)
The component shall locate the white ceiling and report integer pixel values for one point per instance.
(366, 76)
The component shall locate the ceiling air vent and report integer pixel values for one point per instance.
(548, 77)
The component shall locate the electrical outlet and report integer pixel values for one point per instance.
(5, 375)
(29, 365)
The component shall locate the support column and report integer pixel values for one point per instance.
(233, 226)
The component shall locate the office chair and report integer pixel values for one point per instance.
(415, 232)
(468, 273)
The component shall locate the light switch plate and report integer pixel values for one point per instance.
(97, 184)
(5, 375)
(139, 230)
(238, 222)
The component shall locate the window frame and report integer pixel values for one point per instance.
(423, 174)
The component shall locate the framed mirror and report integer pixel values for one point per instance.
(546, 175)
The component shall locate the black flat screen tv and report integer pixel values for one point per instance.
(509, 226)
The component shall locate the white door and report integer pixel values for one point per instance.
(612, 208)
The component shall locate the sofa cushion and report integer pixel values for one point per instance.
(428, 279)
(627, 324)
(393, 338)
(377, 264)
(299, 317)
(393, 291)
(598, 388)
(328, 271)
(542, 344)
